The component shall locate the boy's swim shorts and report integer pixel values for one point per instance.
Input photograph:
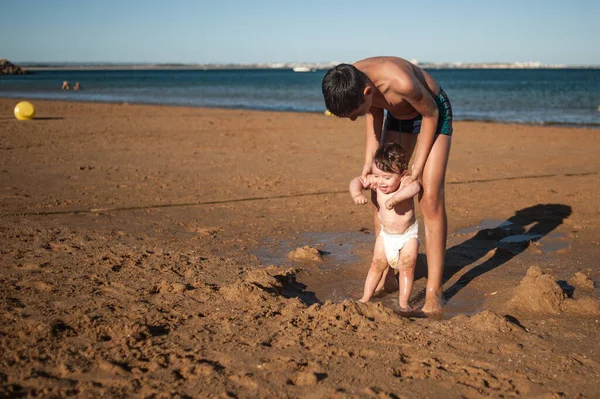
(444, 125)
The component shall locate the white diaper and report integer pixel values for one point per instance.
(393, 243)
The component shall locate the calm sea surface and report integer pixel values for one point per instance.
(540, 96)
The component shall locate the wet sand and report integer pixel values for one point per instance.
(145, 253)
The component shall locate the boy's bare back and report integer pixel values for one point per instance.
(399, 84)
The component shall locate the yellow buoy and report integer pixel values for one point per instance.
(24, 111)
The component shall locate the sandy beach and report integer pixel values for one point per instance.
(145, 253)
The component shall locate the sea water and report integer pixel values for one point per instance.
(530, 96)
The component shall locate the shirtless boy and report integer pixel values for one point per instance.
(397, 243)
(419, 117)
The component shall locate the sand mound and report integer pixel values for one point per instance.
(354, 315)
(582, 306)
(306, 253)
(487, 321)
(277, 288)
(260, 284)
(307, 378)
(580, 280)
(539, 292)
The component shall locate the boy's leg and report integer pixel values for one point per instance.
(406, 268)
(408, 142)
(433, 207)
(378, 265)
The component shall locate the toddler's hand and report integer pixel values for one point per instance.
(389, 204)
(369, 182)
(360, 199)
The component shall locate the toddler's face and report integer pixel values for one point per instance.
(386, 182)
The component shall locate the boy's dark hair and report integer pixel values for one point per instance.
(391, 158)
(343, 89)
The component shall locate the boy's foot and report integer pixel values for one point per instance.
(433, 304)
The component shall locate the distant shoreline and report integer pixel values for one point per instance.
(224, 108)
(142, 67)
(315, 67)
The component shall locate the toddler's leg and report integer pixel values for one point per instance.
(378, 265)
(406, 268)
(388, 282)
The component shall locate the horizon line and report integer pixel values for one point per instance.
(284, 65)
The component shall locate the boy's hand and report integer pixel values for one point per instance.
(369, 182)
(411, 177)
(366, 171)
(407, 179)
(360, 199)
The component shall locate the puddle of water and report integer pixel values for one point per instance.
(508, 233)
(338, 249)
(341, 274)
(485, 224)
(520, 238)
(467, 302)
(347, 256)
(554, 242)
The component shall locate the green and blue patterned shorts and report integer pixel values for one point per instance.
(413, 126)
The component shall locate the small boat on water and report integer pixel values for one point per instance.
(301, 68)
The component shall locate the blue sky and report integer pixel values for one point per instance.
(238, 31)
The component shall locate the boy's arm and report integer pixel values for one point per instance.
(418, 96)
(406, 191)
(374, 125)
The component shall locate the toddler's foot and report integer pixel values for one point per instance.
(406, 309)
(409, 311)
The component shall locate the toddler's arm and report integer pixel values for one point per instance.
(357, 185)
(405, 192)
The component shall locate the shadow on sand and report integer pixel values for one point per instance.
(509, 239)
